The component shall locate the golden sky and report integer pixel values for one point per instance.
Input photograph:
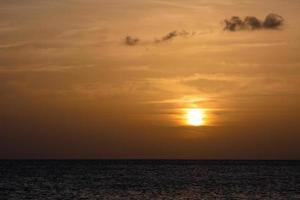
(70, 86)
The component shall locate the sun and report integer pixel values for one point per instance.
(195, 116)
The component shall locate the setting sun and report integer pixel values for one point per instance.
(195, 116)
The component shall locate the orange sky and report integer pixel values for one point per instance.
(70, 87)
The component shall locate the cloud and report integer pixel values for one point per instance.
(167, 37)
(172, 35)
(251, 22)
(272, 21)
(129, 40)
(214, 85)
(235, 23)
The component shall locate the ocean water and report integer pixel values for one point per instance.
(149, 179)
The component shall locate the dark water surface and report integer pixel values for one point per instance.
(149, 179)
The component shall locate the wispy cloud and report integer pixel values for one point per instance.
(173, 34)
(131, 40)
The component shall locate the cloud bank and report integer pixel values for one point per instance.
(272, 21)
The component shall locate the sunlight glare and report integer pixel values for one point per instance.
(195, 116)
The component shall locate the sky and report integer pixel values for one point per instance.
(72, 85)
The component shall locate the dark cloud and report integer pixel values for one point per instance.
(131, 40)
(252, 23)
(172, 35)
(233, 24)
(272, 21)
(169, 36)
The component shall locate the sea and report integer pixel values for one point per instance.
(149, 179)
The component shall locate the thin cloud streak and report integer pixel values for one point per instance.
(131, 40)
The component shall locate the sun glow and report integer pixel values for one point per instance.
(195, 117)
